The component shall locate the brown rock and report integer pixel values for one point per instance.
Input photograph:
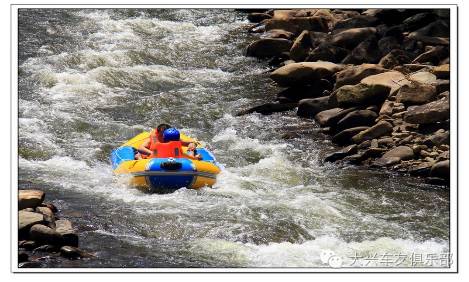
(354, 74)
(310, 107)
(332, 116)
(428, 113)
(303, 73)
(338, 155)
(65, 229)
(279, 33)
(391, 79)
(301, 47)
(442, 72)
(45, 235)
(345, 136)
(382, 128)
(350, 38)
(268, 47)
(360, 94)
(29, 198)
(416, 93)
(441, 169)
(28, 219)
(395, 155)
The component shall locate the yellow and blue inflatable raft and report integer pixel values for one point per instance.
(163, 175)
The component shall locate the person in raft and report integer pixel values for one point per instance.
(156, 136)
(192, 151)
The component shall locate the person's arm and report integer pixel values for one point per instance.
(144, 147)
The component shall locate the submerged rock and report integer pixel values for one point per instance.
(269, 108)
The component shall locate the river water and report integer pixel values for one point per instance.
(89, 79)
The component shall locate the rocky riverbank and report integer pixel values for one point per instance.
(376, 80)
(41, 234)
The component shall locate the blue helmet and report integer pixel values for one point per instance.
(171, 134)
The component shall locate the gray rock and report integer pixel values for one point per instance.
(268, 47)
(345, 136)
(382, 128)
(338, 155)
(357, 118)
(29, 198)
(310, 107)
(416, 93)
(395, 155)
(428, 113)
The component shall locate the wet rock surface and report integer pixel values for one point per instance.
(388, 71)
(40, 231)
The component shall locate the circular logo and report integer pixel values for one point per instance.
(326, 255)
(335, 261)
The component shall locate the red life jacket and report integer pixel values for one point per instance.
(171, 149)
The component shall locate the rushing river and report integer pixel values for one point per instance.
(91, 79)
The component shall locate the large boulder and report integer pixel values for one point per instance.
(395, 155)
(438, 28)
(45, 235)
(392, 79)
(355, 119)
(332, 116)
(441, 170)
(390, 107)
(360, 94)
(304, 73)
(354, 74)
(308, 108)
(382, 128)
(416, 93)
(428, 113)
(268, 47)
(27, 219)
(350, 38)
(30, 198)
(388, 43)
(301, 47)
(345, 136)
